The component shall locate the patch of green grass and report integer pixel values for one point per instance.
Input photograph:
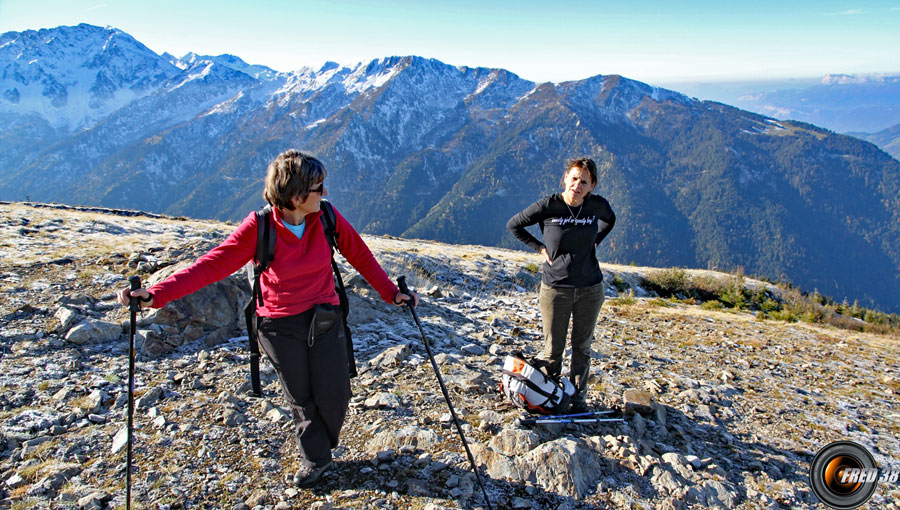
(25, 504)
(784, 315)
(623, 300)
(712, 305)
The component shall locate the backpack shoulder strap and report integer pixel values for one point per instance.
(265, 248)
(329, 221)
(265, 251)
(265, 238)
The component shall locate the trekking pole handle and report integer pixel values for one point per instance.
(134, 302)
(404, 288)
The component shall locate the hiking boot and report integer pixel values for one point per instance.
(578, 406)
(306, 478)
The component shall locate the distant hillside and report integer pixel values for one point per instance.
(888, 140)
(842, 103)
(419, 148)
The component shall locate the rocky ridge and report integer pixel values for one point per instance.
(721, 410)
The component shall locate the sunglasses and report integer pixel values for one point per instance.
(318, 189)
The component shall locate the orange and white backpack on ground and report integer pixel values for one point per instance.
(527, 385)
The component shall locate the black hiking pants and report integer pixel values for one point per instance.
(315, 380)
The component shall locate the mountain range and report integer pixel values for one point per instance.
(419, 148)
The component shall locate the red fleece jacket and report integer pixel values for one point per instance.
(299, 276)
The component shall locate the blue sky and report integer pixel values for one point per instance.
(659, 42)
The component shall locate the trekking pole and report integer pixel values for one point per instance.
(134, 306)
(587, 414)
(533, 421)
(401, 283)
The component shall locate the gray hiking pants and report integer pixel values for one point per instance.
(583, 306)
(315, 380)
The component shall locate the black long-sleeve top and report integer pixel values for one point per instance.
(570, 235)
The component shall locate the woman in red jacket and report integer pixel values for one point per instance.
(312, 370)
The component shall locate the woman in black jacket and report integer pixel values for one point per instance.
(572, 223)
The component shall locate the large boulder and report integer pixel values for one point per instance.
(567, 465)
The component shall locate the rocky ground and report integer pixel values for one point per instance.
(730, 409)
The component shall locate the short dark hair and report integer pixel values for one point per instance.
(584, 164)
(291, 174)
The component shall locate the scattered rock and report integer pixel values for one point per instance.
(94, 501)
(383, 400)
(391, 356)
(473, 349)
(66, 317)
(419, 438)
(638, 401)
(93, 331)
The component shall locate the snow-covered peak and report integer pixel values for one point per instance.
(212, 72)
(496, 87)
(73, 76)
(256, 71)
(614, 94)
(353, 79)
(372, 75)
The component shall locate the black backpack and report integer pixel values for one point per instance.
(265, 252)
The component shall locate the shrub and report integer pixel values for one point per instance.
(619, 283)
(769, 305)
(784, 315)
(669, 282)
(733, 293)
(712, 305)
(706, 287)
